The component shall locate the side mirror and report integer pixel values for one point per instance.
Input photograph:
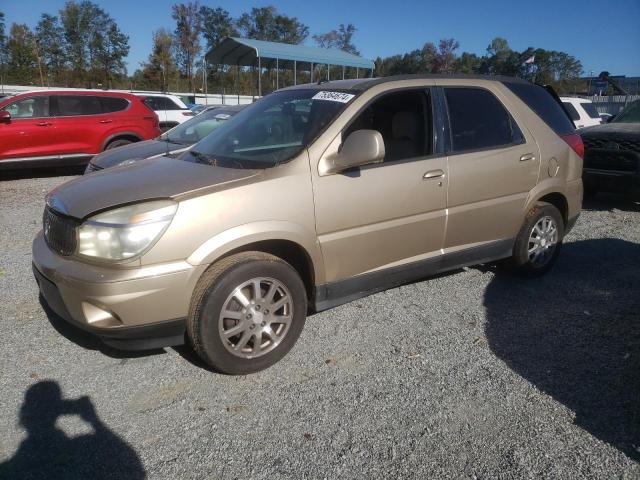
(5, 117)
(361, 147)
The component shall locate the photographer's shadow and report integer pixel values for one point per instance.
(48, 453)
(575, 334)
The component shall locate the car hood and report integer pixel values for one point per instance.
(134, 151)
(619, 130)
(144, 180)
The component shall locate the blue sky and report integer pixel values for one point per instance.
(603, 34)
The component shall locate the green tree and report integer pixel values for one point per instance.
(445, 57)
(267, 24)
(51, 46)
(216, 25)
(22, 62)
(468, 63)
(500, 59)
(160, 70)
(95, 46)
(187, 37)
(342, 39)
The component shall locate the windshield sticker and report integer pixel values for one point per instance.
(222, 116)
(333, 96)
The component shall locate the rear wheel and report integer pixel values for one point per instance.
(539, 241)
(117, 143)
(246, 313)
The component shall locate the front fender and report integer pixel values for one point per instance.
(247, 234)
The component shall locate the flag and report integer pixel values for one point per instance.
(530, 60)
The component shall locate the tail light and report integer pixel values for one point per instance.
(574, 140)
(188, 113)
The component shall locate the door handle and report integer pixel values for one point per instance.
(433, 174)
(106, 121)
(43, 124)
(527, 156)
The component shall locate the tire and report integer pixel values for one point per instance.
(549, 246)
(117, 143)
(216, 290)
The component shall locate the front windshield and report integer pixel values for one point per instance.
(271, 131)
(631, 114)
(196, 128)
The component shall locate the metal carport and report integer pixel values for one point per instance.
(245, 52)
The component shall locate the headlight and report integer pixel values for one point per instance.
(125, 232)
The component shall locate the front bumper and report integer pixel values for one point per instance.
(127, 308)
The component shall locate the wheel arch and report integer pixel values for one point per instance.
(559, 201)
(132, 136)
(290, 242)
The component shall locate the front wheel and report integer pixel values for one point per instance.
(539, 241)
(246, 313)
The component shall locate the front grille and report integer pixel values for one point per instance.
(59, 232)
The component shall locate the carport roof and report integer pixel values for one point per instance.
(245, 52)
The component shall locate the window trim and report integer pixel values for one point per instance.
(425, 89)
(450, 151)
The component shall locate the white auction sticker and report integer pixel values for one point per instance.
(333, 96)
(222, 116)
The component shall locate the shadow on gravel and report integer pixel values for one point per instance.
(41, 172)
(606, 202)
(88, 341)
(49, 453)
(575, 334)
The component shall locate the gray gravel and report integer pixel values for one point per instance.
(474, 374)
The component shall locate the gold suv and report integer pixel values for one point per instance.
(312, 197)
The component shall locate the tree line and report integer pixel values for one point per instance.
(82, 46)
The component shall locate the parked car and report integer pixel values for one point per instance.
(583, 112)
(612, 154)
(46, 128)
(311, 197)
(171, 110)
(177, 140)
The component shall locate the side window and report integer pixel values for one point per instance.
(171, 105)
(573, 113)
(113, 104)
(478, 120)
(33, 107)
(403, 119)
(152, 103)
(75, 105)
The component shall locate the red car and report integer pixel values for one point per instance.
(68, 127)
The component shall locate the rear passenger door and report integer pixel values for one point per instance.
(493, 163)
(79, 123)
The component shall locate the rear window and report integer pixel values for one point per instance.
(545, 106)
(478, 120)
(113, 104)
(571, 110)
(591, 109)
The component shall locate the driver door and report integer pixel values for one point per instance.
(31, 132)
(389, 214)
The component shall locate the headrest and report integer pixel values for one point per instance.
(405, 125)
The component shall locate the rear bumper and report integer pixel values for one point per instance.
(611, 181)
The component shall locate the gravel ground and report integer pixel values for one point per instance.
(473, 374)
